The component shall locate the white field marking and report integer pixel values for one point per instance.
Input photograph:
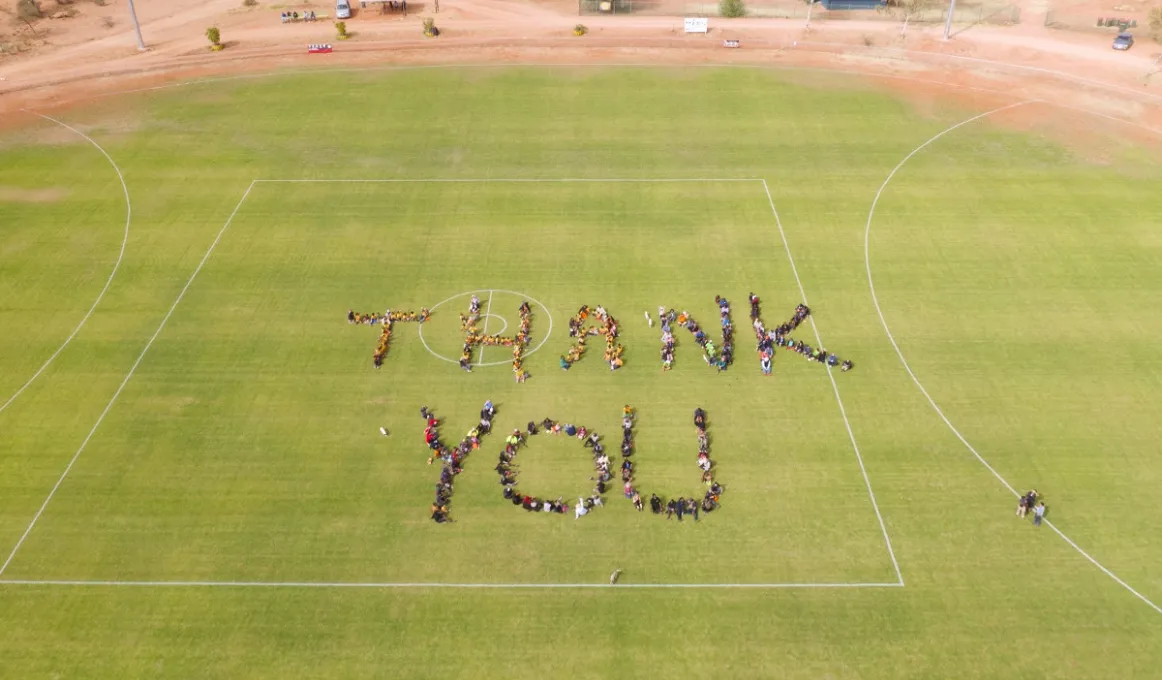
(124, 382)
(315, 584)
(511, 180)
(835, 388)
(484, 330)
(498, 290)
(116, 265)
(920, 386)
(503, 321)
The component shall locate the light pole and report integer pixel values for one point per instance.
(947, 23)
(136, 27)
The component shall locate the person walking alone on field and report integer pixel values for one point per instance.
(1038, 514)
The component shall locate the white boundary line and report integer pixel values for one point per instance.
(835, 388)
(124, 382)
(484, 330)
(320, 584)
(116, 265)
(912, 375)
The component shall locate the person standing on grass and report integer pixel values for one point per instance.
(1038, 514)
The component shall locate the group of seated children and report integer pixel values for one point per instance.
(768, 340)
(687, 506)
(710, 353)
(605, 325)
(387, 319)
(451, 458)
(291, 17)
(521, 343)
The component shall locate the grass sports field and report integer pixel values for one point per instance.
(232, 485)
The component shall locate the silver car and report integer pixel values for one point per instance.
(1124, 41)
(342, 9)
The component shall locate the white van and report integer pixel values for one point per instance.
(342, 9)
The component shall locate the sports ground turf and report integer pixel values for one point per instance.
(1018, 276)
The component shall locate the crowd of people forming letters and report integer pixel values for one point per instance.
(602, 323)
(710, 354)
(768, 340)
(590, 321)
(386, 320)
(469, 323)
(452, 457)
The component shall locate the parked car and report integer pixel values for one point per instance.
(1124, 41)
(342, 9)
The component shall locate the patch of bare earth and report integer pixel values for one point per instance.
(983, 67)
(10, 194)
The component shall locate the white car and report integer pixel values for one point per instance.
(342, 9)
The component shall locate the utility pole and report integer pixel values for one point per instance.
(947, 23)
(136, 27)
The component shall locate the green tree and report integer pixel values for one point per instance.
(1155, 22)
(732, 8)
(215, 37)
(28, 10)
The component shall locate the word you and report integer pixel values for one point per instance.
(452, 460)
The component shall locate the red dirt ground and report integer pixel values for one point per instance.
(76, 59)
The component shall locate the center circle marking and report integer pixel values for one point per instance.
(482, 293)
(502, 320)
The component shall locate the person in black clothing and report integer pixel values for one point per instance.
(700, 419)
(655, 504)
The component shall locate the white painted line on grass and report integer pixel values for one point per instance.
(314, 584)
(484, 330)
(124, 382)
(108, 282)
(512, 180)
(920, 386)
(835, 387)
